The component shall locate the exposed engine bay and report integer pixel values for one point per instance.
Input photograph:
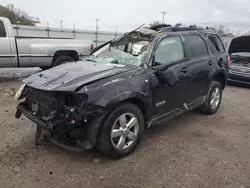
(64, 115)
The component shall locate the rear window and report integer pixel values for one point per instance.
(217, 43)
(2, 29)
(196, 46)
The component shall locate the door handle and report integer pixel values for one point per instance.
(184, 70)
(210, 62)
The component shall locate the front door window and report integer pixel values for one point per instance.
(169, 50)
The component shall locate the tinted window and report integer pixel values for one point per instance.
(196, 46)
(216, 43)
(2, 29)
(169, 50)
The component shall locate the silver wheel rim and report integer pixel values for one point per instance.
(215, 98)
(124, 131)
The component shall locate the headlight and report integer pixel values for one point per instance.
(19, 92)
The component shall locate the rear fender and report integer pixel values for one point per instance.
(212, 76)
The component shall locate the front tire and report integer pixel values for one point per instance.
(213, 98)
(121, 132)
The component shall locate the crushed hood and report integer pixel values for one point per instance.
(240, 44)
(70, 76)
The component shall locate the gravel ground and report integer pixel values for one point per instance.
(191, 151)
(18, 73)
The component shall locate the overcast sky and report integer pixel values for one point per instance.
(129, 14)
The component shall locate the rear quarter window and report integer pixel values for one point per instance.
(196, 46)
(2, 29)
(217, 43)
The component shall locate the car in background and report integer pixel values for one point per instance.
(239, 51)
(38, 51)
(109, 98)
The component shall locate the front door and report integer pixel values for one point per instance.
(5, 51)
(171, 61)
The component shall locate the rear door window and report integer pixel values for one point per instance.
(196, 46)
(217, 43)
(2, 29)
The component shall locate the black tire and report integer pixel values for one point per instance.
(44, 68)
(104, 143)
(62, 59)
(206, 108)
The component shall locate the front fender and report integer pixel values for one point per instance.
(127, 96)
(93, 128)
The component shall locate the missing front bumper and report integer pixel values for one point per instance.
(47, 130)
(42, 134)
(21, 109)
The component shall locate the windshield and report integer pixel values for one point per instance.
(246, 54)
(117, 56)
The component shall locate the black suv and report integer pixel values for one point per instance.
(134, 82)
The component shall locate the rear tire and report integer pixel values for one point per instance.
(116, 139)
(62, 59)
(44, 68)
(213, 98)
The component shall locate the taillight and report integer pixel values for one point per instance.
(228, 61)
(91, 47)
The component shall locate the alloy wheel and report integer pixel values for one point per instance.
(124, 132)
(215, 98)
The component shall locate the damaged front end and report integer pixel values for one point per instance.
(68, 102)
(64, 118)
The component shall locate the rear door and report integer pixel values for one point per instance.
(5, 49)
(200, 64)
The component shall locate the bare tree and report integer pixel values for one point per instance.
(10, 7)
(155, 23)
(223, 31)
(15, 15)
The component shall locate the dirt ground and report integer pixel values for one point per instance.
(191, 151)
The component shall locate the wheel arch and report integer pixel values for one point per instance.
(220, 77)
(134, 98)
(71, 53)
(217, 75)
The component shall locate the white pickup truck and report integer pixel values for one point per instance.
(38, 52)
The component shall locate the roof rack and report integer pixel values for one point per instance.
(159, 26)
(179, 27)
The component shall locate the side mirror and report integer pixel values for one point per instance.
(168, 77)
